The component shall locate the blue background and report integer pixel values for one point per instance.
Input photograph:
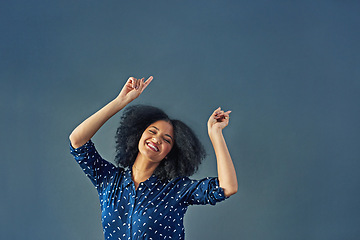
(289, 71)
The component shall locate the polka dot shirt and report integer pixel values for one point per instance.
(153, 211)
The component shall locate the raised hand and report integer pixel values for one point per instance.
(86, 130)
(133, 88)
(218, 120)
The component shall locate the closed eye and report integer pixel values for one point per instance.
(167, 139)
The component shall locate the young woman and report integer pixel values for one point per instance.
(147, 194)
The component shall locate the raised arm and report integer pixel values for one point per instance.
(226, 171)
(87, 129)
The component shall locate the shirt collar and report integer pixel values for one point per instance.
(150, 182)
(127, 178)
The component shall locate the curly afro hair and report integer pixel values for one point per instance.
(185, 156)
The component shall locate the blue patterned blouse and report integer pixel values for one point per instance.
(154, 211)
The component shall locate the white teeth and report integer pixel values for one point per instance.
(150, 144)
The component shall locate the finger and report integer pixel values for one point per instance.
(222, 112)
(133, 82)
(138, 83)
(130, 81)
(145, 84)
(227, 113)
(141, 85)
(216, 111)
(148, 81)
(219, 114)
(223, 115)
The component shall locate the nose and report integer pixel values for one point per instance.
(156, 140)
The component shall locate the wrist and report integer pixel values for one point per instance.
(120, 102)
(213, 132)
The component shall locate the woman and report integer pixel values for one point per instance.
(147, 195)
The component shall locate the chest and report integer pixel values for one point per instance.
(159, 198)
(158, 209)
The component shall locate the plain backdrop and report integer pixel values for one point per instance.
(288, 70)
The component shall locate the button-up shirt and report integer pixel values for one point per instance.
(155, 210)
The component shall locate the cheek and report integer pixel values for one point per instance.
(141, 141)
(168, 149)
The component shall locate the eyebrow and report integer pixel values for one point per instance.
(165, 134)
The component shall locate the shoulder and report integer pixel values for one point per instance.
(182, 182)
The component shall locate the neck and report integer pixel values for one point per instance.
(142, 169)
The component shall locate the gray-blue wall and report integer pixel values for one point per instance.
(289, 71)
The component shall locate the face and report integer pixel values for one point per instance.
(156, 141)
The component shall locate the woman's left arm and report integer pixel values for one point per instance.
(226, 170)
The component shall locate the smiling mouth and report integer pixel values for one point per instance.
(152, 146)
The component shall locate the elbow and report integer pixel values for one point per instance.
(230, 188)
(74, 143)
(71, 138)
(77, 142)
(230, 191)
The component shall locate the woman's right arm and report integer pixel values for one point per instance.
(87, 129)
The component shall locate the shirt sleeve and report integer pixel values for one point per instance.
(94, 166)
(204, 191)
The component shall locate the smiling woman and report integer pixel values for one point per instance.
(156, 142)
(139, 123)
(148, 193)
